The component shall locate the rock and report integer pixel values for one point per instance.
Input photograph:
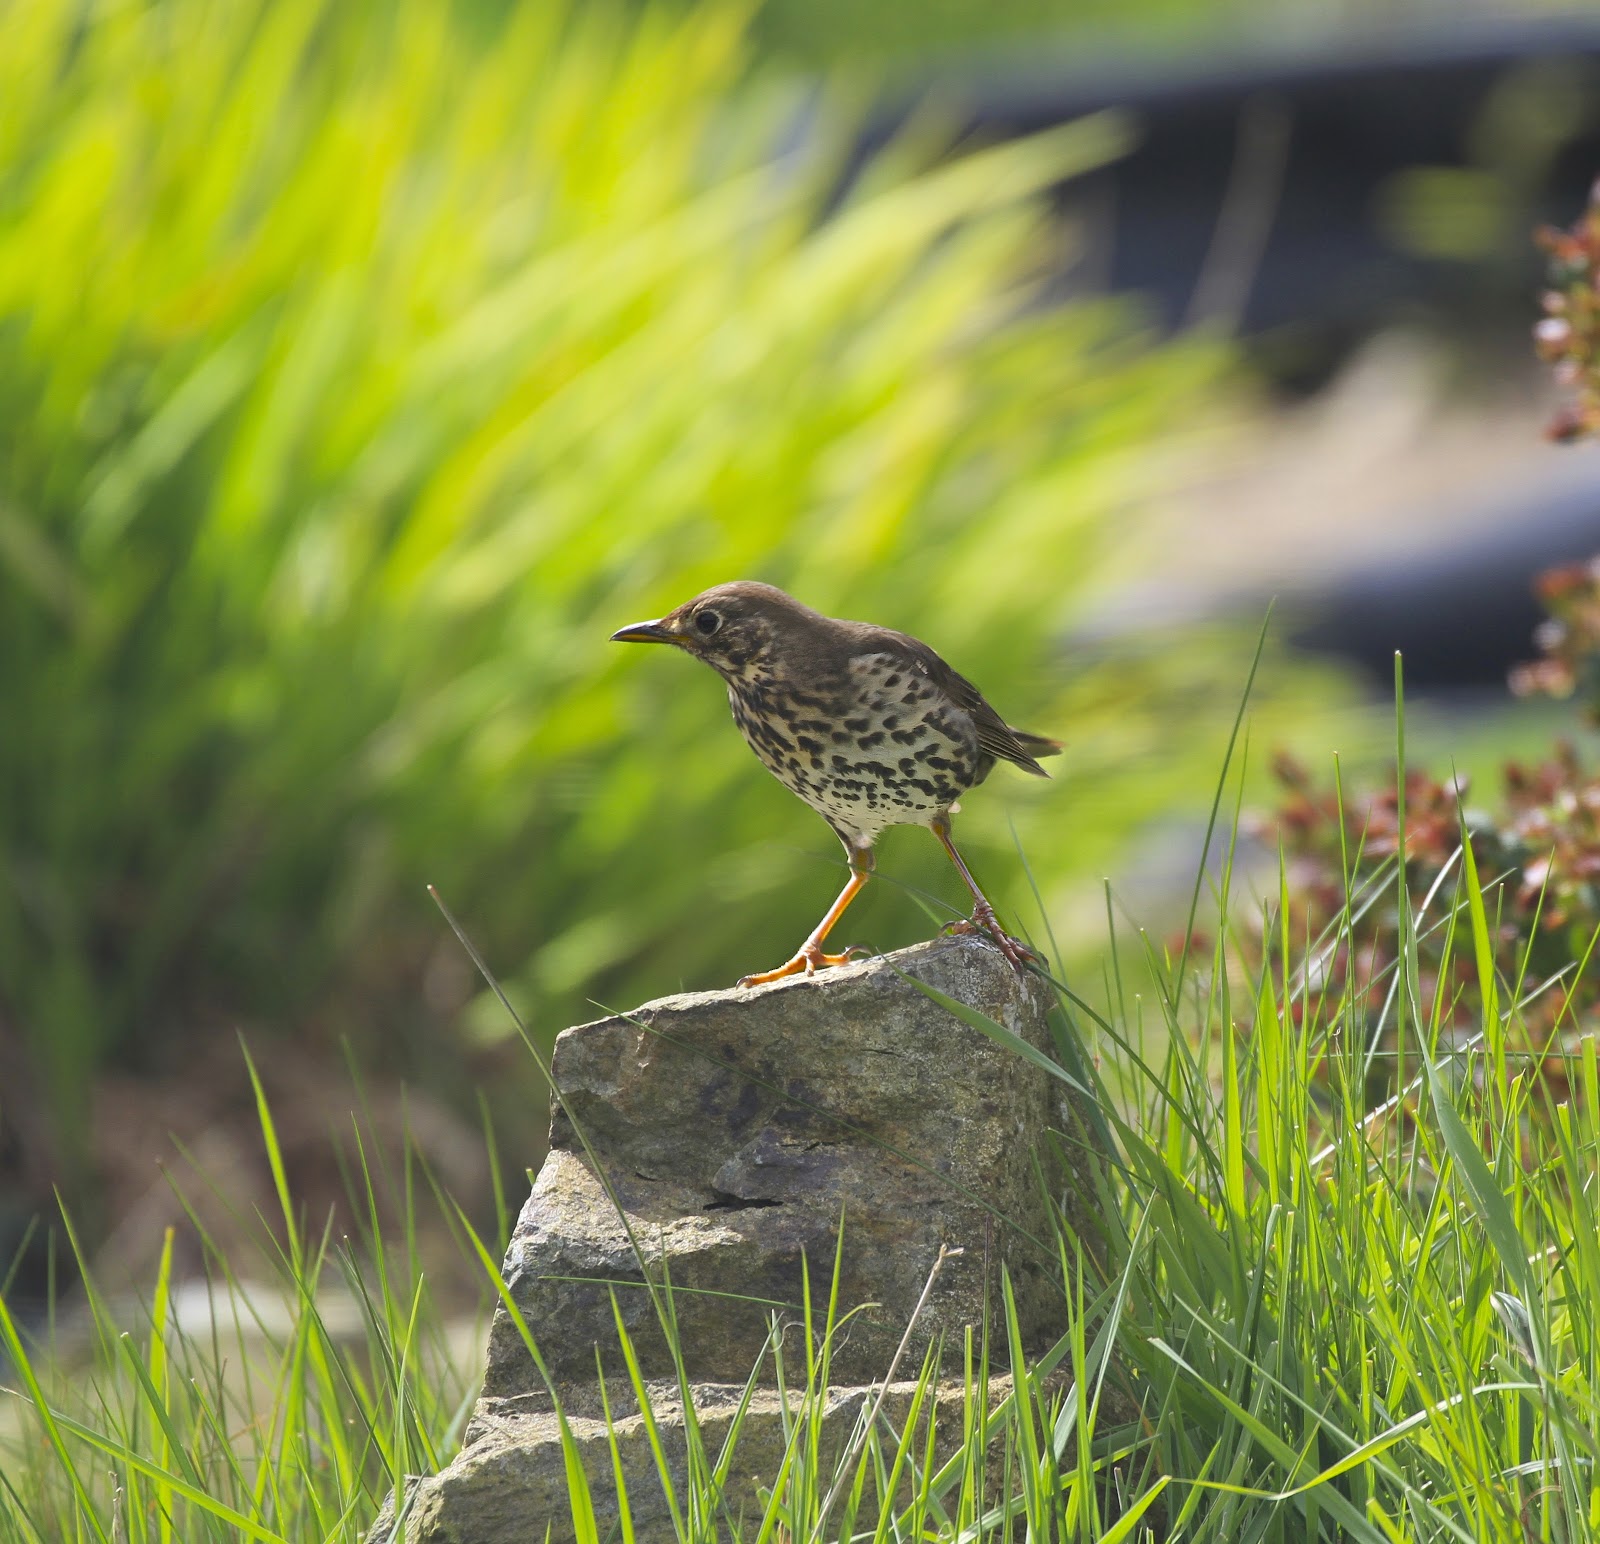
(511, 1481)
(734, 1130)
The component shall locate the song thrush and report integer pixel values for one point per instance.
(869, 726)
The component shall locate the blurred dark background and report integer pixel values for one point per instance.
(1316, 197)
(362, 368)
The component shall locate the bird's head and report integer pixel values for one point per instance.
(732, 627)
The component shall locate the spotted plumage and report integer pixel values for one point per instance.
(868, 726)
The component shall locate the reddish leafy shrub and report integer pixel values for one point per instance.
(1537, 855)
(1568, 336)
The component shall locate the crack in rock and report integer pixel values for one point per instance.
(725, 1202)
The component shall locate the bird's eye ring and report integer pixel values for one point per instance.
(707, 622)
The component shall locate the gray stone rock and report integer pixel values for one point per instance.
(510, 1483)
(723, 1137)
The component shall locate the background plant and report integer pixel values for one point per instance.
(361, 368)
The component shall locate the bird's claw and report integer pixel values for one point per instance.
(1020, 955)
(983, 920)
(808, 960)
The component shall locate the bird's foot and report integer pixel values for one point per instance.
(808, 960)
(983, 920)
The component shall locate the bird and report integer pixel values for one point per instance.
(868, 726)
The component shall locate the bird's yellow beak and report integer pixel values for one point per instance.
(646, 632)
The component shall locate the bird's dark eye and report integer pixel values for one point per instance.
(707, 622)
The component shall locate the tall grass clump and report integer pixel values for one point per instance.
(276, 1396)
(1362, 1277)
(362, 367)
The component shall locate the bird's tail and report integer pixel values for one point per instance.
(1037, 744)
(1026, 747)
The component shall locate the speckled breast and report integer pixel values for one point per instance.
(878, 745)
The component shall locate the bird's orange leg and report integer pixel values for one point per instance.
(809, 956)
(982, 912)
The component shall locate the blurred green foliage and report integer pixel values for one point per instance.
(913, 33)
(361, 370)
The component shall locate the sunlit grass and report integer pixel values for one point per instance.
(1337, 1316)
(281, 1402)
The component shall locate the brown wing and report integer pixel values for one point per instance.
(995, 736)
